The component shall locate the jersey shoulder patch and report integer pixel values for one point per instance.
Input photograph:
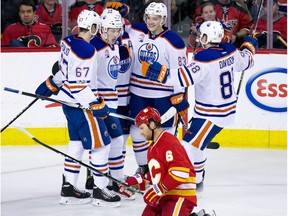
(174, 39)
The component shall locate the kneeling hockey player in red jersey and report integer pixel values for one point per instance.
(171, 174)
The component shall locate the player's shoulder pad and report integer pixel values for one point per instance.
(98, 43)
(80, 47)
(214, 53)
(139, 26)
(174, 39)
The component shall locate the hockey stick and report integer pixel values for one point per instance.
(165, 117)
(62, 102)
(55, 69)
(253, 31)
(282, 40)
(78, 161)
(24, 110)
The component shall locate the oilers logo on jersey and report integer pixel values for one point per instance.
(113, 67)
(148, 52)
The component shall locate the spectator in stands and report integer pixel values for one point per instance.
(9, 12)
(49, 12)
(28, 32)
(208, 13)
(235, 19)
(279, 27)
(92, 5)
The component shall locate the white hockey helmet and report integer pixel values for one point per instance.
(110, 18)
(157, 9)
(214, 31)
(87, 18)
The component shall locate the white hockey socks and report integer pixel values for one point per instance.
(140, 145)
(71, 168)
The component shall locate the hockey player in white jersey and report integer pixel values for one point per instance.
(153, 42)
(108, 66)
(77, 82)
(122, 87)
(212, 74)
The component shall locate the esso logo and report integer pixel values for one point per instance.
(267, 89)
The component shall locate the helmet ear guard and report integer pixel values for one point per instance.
(86, 19)
(146, 115)
(213, 30)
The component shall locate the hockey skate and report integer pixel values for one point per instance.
(105, 197)
(122, 191)
(70, 195)
(142, 169)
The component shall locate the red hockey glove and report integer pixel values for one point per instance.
(47, 88)
(99, 108)
(155, 71)
(153, 195)
(180, 103)
(121, 7)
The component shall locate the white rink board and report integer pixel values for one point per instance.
(25, 71)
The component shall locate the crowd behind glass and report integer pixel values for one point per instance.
(184, 17)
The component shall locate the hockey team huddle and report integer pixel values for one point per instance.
(141, 70)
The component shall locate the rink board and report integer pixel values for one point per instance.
(261, 110)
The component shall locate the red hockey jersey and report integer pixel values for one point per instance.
(169, 163)
(279, 25)
(79, 6)
(49, 18)
(36, 35)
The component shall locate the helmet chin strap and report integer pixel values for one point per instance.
(152, 131)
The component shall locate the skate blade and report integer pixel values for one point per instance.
(131, 198)
(74, 201)
(102, 203)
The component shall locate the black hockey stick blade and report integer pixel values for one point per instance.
(78, 161)
(213, 145)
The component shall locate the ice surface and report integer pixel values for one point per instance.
(239, 182)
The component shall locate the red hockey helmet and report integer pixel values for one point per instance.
(146, 114)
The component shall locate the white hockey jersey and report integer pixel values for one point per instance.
(77, 64)
(124, 72)
(166, 48)
(108, 65)
(212, 74)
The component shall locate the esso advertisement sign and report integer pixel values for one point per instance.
(267, 89)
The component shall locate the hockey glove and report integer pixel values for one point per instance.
(180, 103)
(47, 88)
(155, 71)
(99, 108)
(251, 44)
(154, 194)
(124, 52)
(121, 7)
